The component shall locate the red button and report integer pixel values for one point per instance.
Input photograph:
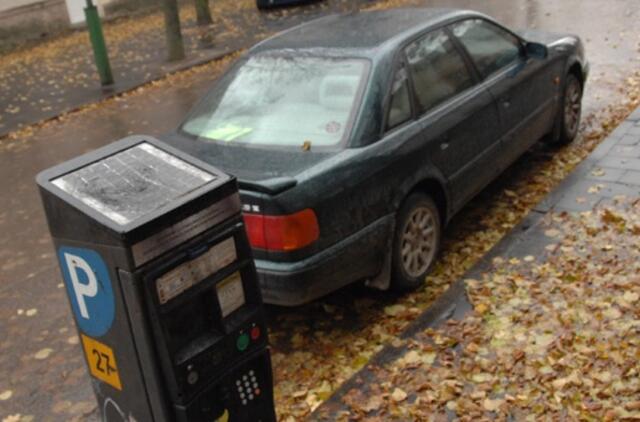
(255, 333)
(257, 391)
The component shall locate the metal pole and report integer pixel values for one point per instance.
(98, 44)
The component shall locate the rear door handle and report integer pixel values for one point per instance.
(444, 146)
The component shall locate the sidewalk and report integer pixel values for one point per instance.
(549, 324)
(59, 75)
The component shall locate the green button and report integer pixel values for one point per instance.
(243, 342)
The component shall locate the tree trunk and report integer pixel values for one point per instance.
(203, 12)
(175, 45)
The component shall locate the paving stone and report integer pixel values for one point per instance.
(585, 194)
(625, 151)
(621, 130)
(634, 131)
(572, 204)
(613, 189)
(621, 163)
(629, 139)
(631, 177)
(605, 174)
(635, 116)
(603, 149)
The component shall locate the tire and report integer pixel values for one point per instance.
(569, 113)
(415, 252)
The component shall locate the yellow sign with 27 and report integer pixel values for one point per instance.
(102, 362)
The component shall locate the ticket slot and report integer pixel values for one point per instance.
(204, 285)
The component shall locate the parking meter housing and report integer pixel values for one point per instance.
(161, 281)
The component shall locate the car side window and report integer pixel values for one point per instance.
(400, 103)
(437, 69)
(490, 47)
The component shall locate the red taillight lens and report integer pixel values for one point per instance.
(282, 232)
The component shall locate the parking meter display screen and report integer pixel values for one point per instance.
(132, 183)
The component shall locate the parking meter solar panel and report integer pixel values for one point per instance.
(161, 281)
(131, 183)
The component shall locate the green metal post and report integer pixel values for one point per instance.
(98, 44)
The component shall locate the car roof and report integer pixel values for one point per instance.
(364, 31)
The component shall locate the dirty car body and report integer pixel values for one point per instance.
(341, 184)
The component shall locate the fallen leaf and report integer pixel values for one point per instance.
(372, 404)
(552, 233)
(398, 395)
(43, 353)
(481, 308)
(492, 405)
(394, 310)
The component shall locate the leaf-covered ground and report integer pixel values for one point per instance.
(553, 337)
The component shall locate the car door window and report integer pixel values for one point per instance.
(437, 69)
(490, 47)
(400, 103)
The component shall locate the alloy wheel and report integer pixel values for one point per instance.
(572, 107)
(418, 242)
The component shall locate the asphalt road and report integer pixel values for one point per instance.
(40, 361)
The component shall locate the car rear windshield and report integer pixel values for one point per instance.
(282, 101)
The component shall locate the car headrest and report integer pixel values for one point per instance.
(337, 92)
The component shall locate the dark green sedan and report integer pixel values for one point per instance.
(355, 138)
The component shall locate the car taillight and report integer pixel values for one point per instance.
(282, 232)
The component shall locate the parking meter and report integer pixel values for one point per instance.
(160, 277)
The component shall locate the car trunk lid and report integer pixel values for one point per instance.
(265, 170)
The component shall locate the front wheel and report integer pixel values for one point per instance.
(416, 242)
(569, 113)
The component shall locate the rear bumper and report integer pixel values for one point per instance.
(357, 257)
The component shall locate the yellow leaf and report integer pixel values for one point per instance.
(481, 377)
(394, 310)
(492, 405)
(481, 308)
(428, 358)
(398, 395)
(43, 354)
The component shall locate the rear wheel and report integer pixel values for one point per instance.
(416, 242)
(569, 113)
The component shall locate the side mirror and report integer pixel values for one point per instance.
(536, 50)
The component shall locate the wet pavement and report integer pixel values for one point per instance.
(59, 75)
(40, 360)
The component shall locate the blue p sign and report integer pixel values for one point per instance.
(87, 280)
